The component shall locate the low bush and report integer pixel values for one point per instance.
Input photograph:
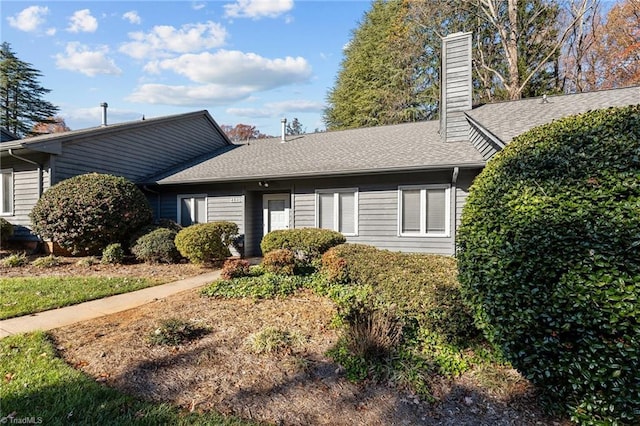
(271, 339)
(113, 254)
(260, 287)
(549, 256)
(46, 262)
(6, 231)
(86, 213)
(87, 261)
(206, 242)
(235, 268)
(14, 260)
(308, 244)
(158, 246)
(279, 261)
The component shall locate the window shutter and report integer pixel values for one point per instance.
(411, 210)
(185, 211)
(347, 212)
(325, 210)
(436, 220)
(6, 191)
(200, 215)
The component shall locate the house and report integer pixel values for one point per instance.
(399, 187)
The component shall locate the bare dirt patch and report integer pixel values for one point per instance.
(300, 386)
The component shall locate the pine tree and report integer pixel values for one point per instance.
(21, 95)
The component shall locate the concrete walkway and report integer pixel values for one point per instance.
(55, 318)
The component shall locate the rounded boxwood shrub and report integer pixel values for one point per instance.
(157, 246)
(113, 254)
(6, 230)
(86, 213)
(206, 242)
(308, 244)
(549, 261)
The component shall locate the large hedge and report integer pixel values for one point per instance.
(86, 213)
(549, 260)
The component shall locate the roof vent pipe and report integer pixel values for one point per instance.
(104, 106)
(284, 130)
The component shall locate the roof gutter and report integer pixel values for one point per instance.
(30, 162)
(388, 170)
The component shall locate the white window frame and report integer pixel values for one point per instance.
(336, 211)
(192, 197)
(11, 191)
(423, 211)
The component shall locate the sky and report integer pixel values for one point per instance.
(245, 61)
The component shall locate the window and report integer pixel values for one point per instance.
(424, 210)
(192, 209)
(337, 209)
(6, 192)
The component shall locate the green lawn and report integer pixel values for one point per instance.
(39, 386)
(28, 295)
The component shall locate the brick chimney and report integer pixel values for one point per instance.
(455, 87)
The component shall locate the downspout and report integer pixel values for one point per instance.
(34, 163)
(158, 204)
(454, 181)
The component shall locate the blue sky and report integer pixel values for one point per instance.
(245, 61)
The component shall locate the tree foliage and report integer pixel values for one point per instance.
(52, 125)
(295, 128)
(21, 95)
(549, 261)
(242, 132)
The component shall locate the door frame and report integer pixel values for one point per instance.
(286, 197)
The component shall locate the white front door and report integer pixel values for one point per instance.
(276, 209)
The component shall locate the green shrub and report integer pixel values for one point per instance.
(6, 231)
(87, 261)
(157, 246)
(86, 213)
(259, 287)
(113, 254)
(235, 268)
(308, 244)
(549, 255)
(176, 331)
(14, 260)
(206, 242)
(146, 229)
(422, 288)
(279, 261)
(46, 262)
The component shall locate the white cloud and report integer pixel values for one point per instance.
(210, 94)
(79, 58)
(256, 9)
(296, 105)
(165, 39)
(133, 17)
(29, 19)
(234, 68)
(51, 31)
(198, 6)
(82, 21)
(251, 112)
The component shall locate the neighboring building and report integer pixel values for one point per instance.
(399, 187)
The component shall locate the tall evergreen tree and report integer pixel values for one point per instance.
(21, 95)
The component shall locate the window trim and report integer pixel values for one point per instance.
(11, 190)
(181, 197)
(336, 211)
(423, 211)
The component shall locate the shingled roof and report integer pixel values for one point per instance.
(506, 120)
(395, 148)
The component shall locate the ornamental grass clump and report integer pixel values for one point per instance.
(549, 259)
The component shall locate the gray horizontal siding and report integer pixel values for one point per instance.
(484, 145)
(456, 87)
(25, 194)
(228, 208)
(136, 154)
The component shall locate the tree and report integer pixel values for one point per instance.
(380, 75)
(295, 128)
(53, 125)
(21, 95)
(242, 132)
(617, 47)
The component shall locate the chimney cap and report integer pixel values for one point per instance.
(104, 104)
